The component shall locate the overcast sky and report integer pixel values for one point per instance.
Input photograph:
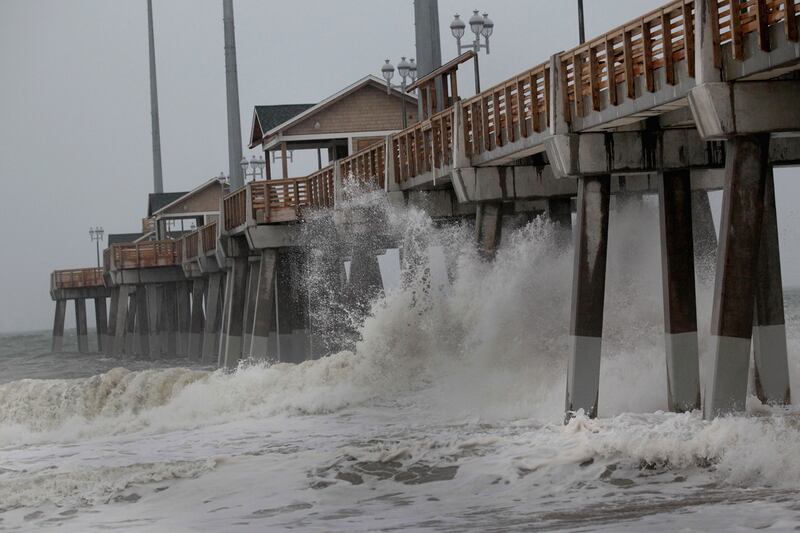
(75, 118)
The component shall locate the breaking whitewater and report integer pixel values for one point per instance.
(446, 415)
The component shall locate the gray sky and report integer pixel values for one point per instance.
(74, 104)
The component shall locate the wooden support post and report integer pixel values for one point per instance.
(594, 78)
(588, 294)
(735, 288)
(769, 327)
(611, 71)
(627, 51)
(577, 78)
(790, 20)
(737, 36)
(197, 319)
(666, 43)
(647, 56)
(762, 21)
(121, 317)
(80, 324)
(688, 37)
(680, 309)
(213, 317)
(284, 161)
(101, 324)
(58, 326)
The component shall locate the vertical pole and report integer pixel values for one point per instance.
(112, 319)
(232, 92)
(262, 319)
(581, 27)
(198, 318)
(235, 311)
(184, 317)
(680, 310)
(121, 318)
(58, 326)
(735, 287)
(588, 294)
(80, 323)
(213, 317)
(704, 235)
(168, 320)
(153, 305)
(251, 295)
(428, 43)
(130, 326)
(143, 321)
(489, 227)
(158, 181)
(769, 328)
(101, 323)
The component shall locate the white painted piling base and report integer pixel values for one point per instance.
(682, 369)
(728, 386)
(583, 374)
(770, 353)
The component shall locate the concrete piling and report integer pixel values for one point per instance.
(735, 287)
(142, 322)
(168, 320)
(769, 329)
(183, 311)
(588, 293)
(80, 324)
(235, 302)
(112, 319)
(197, 319)
(213, 317)
(704, 235)
(559, 210)
(250, 304)
(101, 324)
(680, 309)
(58, 326)
(131, 341)
(264, 304)
(489, 227)
(151, 293)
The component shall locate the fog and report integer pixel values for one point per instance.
(75, 118)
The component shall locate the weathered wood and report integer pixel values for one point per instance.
(666, 43)
(628, 59)
(647, 56)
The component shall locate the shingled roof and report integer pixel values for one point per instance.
(270, 116)
(156, 201)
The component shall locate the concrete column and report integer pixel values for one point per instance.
(250, 304)
(227, 289)
(131, 342)
(489, 227)
(58, 326)
(152, 292)
(559, 210)
(120, 294)
(264, 304)
(235, 302)
(588, 293)
(80, 324)
(292, 300)
(112, 319)
(680, 309)
(704, 235)
(735, 287)
(101, 322)
(142, 321)
(184, 311)
(769, 328)
(213, 317)
(168, 320)
(365, 278)
(198, 319)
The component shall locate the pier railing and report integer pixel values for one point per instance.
(147, 254)
(423, 146)
(191, 245)
(321, 187)
(77, 278)
(365, 165)
(208, 238)
(234, 209)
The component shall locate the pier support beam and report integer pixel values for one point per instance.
(588, 293)
(120, 294)
(735, 288)
(101, 324)
(80, 324)
(365, 282)
(250, 304)
(704, 234)
(58, 326)
(131, 344)
(769, 329)
(184, 310)
(151, 292)
(235, 302)
(292, 317)
(489, 227)
(213, 317)
(264, 305)
(680, 309)
(167, 320)
(559, 210)
(142, 322)
(198, 319)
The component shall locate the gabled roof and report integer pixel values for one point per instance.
(157, 200)
(186, 195)
(260, 131)
(119, 238)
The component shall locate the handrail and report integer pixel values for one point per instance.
(77, 278)
(423, 146)
(366, 165)
(321, 187)
(234, 207)
(191, 245)
(208, 237)
(146, 254)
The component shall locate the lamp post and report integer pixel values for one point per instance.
(407, 70)
(96, 234)
(581, 28)
(480, 26)
(254, 170)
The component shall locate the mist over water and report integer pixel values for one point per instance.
(442, 408)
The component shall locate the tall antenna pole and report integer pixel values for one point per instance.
(158, 179)
(232, 89)
(429, 47)
(581, 28)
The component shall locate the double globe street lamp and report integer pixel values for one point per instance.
(480, 26)
(407, 71)
(96, 234)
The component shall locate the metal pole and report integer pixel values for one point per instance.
(158, 180)
(477, 70)
(428, 44)
(232, 90)
(97, 243)
(581, 29)
(403, 103)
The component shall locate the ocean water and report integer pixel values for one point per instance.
(445, 415)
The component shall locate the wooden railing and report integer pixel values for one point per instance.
(321, 187)
(77, 278)
(424, 146)
(145, 254)
(278, 200)
(738, 18)
(367, 165)
(208, 236)
(191, 245)
(234, 209)
(507, 112)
